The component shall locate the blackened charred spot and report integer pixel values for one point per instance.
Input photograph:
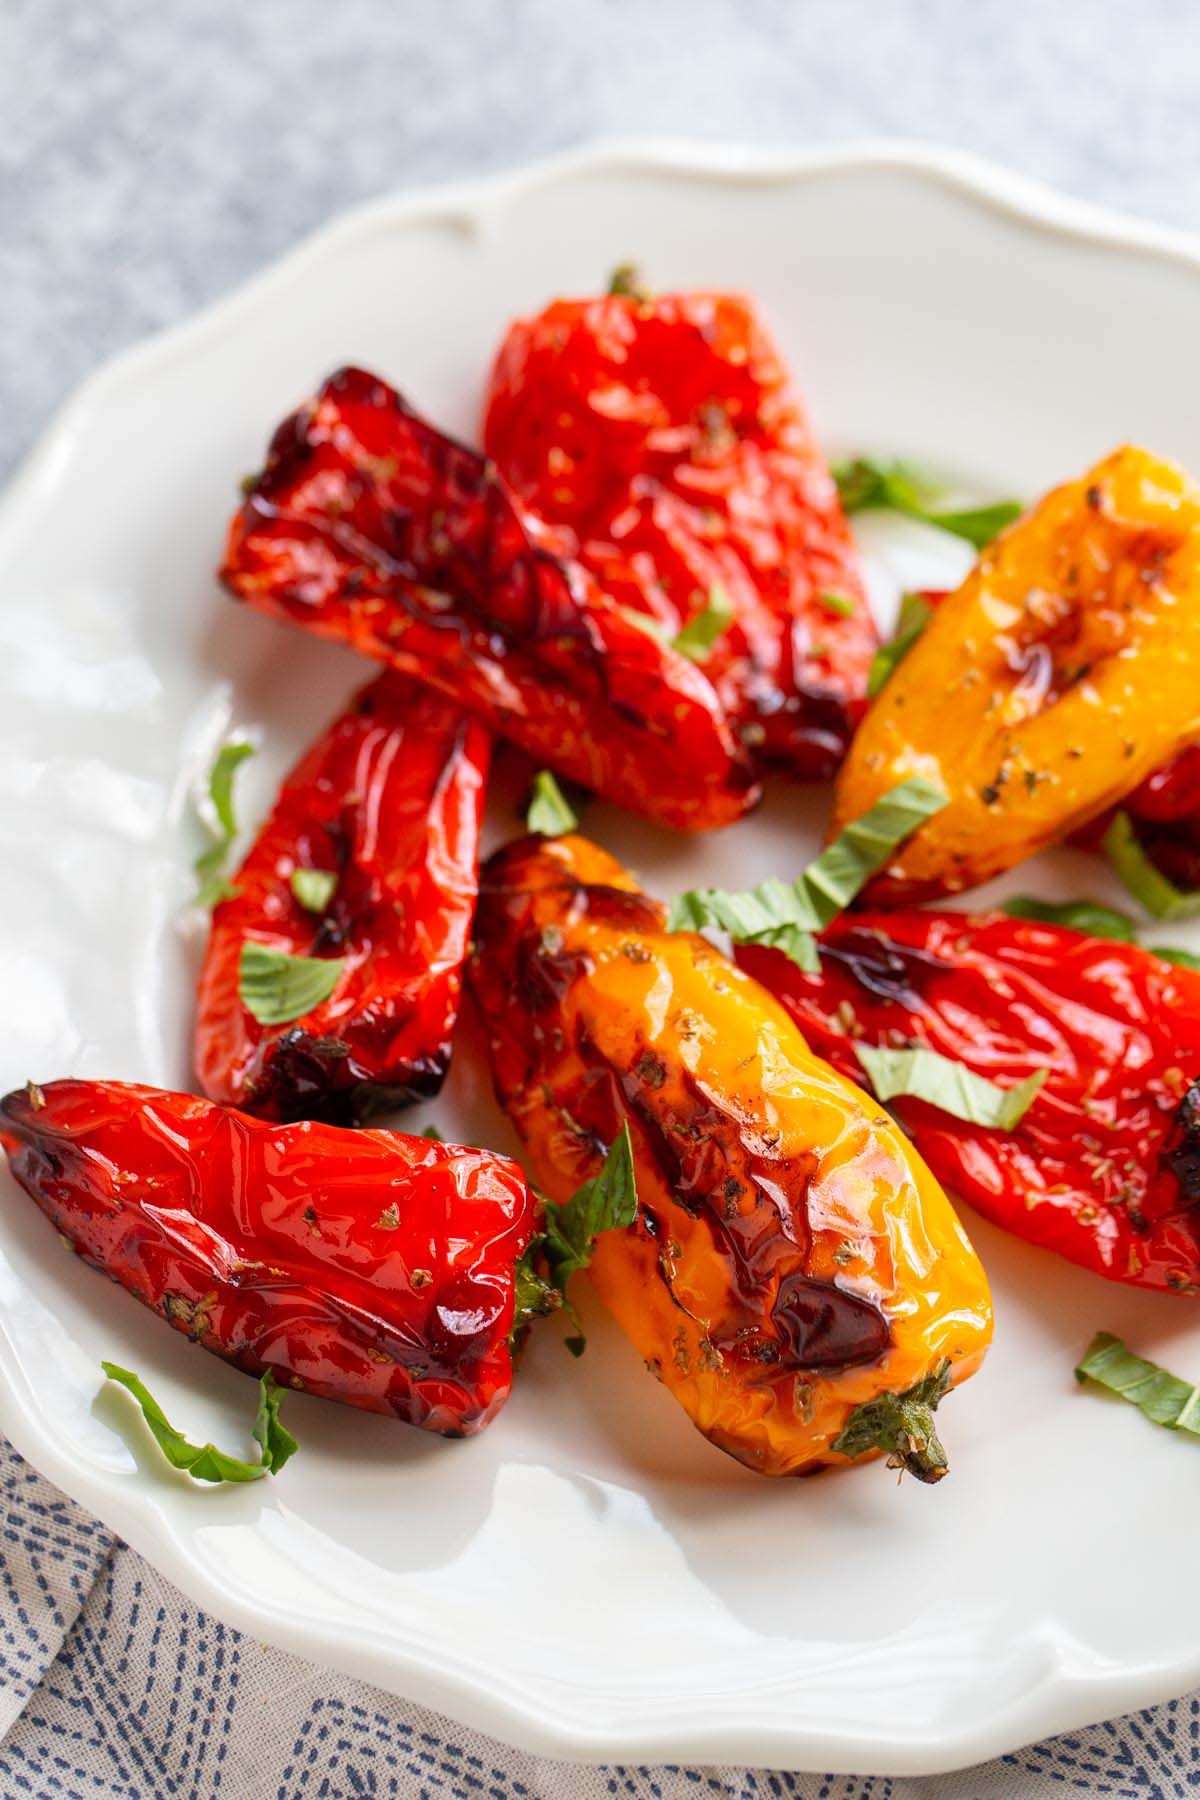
(306, 1077)
(620, 908)
(883, 968)
(545, 971)
(814, 1324)
(826, 1328)
(1181, 1154)
(650, 1069)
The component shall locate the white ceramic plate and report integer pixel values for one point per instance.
(589, 1578)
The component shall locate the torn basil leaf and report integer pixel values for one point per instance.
(1161, 1396)
(785, 914)
(977, 524)
(534, 1294)
(702, 631)
(276, 987)
(210, 864)
(921, 1074)
(605, 1203)
(1183, 959)
(1080, 915)
(204, 1461)
(915, 614)
(1147, 884)
(548, 811)
(314, 888)
(866, 484)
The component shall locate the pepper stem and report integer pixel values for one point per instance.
(903, 1425)
(626, 279)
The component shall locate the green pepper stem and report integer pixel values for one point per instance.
(902, 1425)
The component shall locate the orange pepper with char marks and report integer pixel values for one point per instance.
(795, 1276)
(1063, 672)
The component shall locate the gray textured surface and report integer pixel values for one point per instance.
(157, 151)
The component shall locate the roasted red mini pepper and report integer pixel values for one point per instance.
(370, 527)
(381, 820)
(362, 1266)
(1105, 1165)
(664, 435)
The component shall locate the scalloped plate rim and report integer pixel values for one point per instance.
(1065, 1698)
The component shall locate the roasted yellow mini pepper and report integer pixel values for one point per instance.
(795, 1275)
(1062, 672)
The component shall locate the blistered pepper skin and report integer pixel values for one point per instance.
(1061, 674)
(1164, 809)
(389, 800)
(1104, 1167)
(792, 1257)
(370, 527)
(362, 1266)
(663, 434)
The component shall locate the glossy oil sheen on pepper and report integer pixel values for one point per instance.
(361, 1266)
(370, 527)
(388, 804)
(793, 1258)
(1105, 1165)
(662, 433)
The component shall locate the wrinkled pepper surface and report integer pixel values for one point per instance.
(362, 1266)
(370, 527)
(1164, 808)
(1062, 673)
(1105, 1165)
(793, 1260)
(663, 434)
(387, 806)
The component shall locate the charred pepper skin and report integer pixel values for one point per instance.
(389, 801)
(1104, 1167)
(362, 1266)
(792, 1258)
(370, 527)
(664, 435)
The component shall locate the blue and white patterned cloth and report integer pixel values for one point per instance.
(114, 1687)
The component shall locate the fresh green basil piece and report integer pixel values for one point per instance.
(705, 627)
(921, 1074)
(276, 987)
(1146, 883)
(1161, 1396)
(866, 484)
(204, 1461)
(210, 864)
(548, 811)
(785, 913)
(314, 888)
(915, 614)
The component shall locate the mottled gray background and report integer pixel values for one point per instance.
(154, 152)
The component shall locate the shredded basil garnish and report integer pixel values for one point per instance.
(921, 1074)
